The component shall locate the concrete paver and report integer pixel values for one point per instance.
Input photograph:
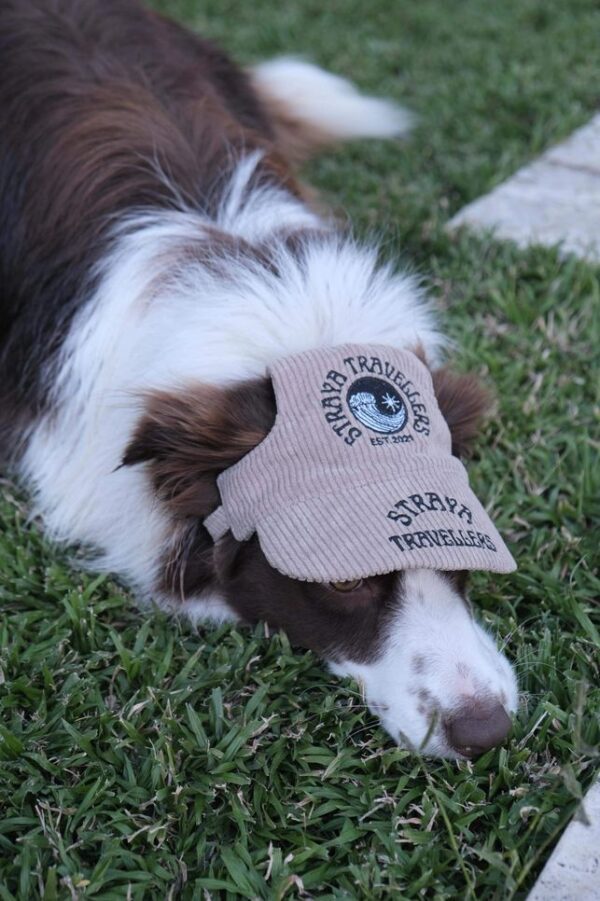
(553, 201)
(573, 871)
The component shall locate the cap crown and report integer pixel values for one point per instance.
(358, 452)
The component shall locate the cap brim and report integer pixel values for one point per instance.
(411, 521)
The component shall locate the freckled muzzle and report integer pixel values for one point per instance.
(356, 477)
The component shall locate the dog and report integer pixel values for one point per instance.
(166, 285)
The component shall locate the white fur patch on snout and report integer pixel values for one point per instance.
(436, 661)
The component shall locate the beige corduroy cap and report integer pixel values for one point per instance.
(356, 477)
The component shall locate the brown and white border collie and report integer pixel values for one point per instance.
(156, 254)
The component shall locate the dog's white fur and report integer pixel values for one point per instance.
(328, 103)
(159, 321)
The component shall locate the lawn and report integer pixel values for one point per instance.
(142, 759)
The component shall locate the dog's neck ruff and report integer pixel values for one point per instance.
(357, 476)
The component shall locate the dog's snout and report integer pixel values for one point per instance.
(477, 727)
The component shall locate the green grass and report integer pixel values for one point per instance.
(141, 759)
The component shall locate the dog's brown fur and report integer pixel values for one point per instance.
(113, 98)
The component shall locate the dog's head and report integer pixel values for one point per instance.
(433, 676)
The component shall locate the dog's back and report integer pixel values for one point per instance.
(108, 109)
(105, 109)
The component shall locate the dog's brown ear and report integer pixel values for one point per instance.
(190, 436)
(464, 404)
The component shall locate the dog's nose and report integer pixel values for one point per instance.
(477, 727)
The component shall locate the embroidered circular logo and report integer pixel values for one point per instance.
(377, 405)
